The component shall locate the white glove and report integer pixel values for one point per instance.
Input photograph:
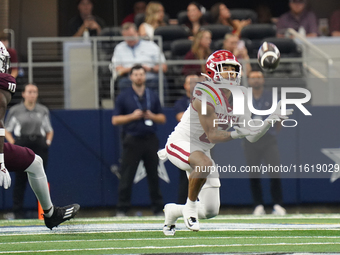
(242, 132)
(276, 115)
(5, 178)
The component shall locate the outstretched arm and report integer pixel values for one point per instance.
(210, 126)
(267, 123)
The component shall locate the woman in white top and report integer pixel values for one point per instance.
(154, 16)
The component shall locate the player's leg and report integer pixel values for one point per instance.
(32, 164)
(53, 215)
(209, 202)
(150, 159)
(38, 182)
(200, 164)
(178, 153)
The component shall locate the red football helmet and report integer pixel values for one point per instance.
(214, 67)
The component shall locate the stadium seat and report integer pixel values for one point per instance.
(217, 45)
(242, 14)
(208, 17)
(180, 47)
(218, 31)
(182, 17)
(286, 46)
(107, 47)
(111, 31)
(252, 46)
(258, 31)
(171, 33)
(139, 19)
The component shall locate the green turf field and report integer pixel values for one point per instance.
(312, 233)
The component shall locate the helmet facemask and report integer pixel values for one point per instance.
(232, 77)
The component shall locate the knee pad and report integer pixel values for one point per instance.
(212, 211)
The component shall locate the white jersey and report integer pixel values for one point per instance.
(190, 128)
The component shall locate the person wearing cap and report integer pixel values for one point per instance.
(298, 18)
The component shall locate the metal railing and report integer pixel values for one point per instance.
(95, 62)
(329, 61)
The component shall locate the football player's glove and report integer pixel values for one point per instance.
(5, 178)
(242, 132)
(276, 115)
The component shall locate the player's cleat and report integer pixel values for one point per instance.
(170, 220)
(190, 218)
(61, 214)
(279, 210)
(169, 230)
(259, 210)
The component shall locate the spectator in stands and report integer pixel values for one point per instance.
(138, 7)
(264, 15)
(133, 51)
(236, 46)
(154, 17)
(138, 109)
(200, 50)
(180, 107)
(85, 20)
(31, 125)
(195, 13)
(265, 148)
(12, 53)
(221, 15)
(335, 23)
(299, 19)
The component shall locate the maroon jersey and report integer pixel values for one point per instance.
(7, 82)
(17, 158)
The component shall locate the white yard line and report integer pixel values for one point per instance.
(220, 217)
(172, 239)
(169, 247)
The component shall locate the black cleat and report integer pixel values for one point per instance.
(61, 214)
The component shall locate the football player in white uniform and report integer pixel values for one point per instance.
(188, 146)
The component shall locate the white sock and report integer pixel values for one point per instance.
(191, 205)
(38, 182)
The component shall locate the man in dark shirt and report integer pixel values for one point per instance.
(138, 109)
(265, 148)
(299, 19)
(85, 20)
